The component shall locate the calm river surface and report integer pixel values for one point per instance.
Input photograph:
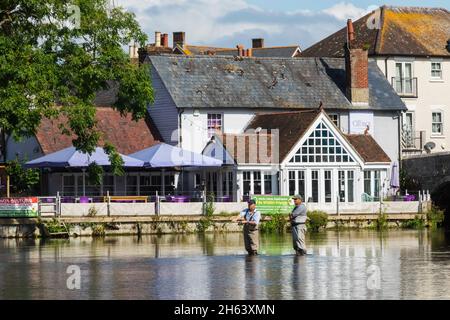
(339, 265)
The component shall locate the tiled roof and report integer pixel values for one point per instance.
(291, 128)
(280, 83)
(266, 52)
(408, 31)
(290, 125)
(127, 135)
(368, 148)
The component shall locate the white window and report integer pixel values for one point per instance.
(436, 70)
(404, 82)
(437, 123)
(335, 118)
(322, 147)
(214, 123)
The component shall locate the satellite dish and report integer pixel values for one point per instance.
(429, 146)
(258, 130)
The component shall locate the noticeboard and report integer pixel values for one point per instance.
(19, 207)
(274, 204)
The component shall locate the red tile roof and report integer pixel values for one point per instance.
(127, 135)
(369, 150)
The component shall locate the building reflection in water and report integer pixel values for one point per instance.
(412, 265)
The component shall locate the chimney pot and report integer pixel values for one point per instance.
(258, 43)
(179, 39)
(165, 40)
(249, 52)
(241, 51)
(157, 39)
(350, 32)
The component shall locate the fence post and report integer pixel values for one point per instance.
(204, 202)
(108, 202)
(58, 205)
(337, 205)
(157, 204)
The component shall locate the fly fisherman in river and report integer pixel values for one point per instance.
(250, 219)
(298, 219)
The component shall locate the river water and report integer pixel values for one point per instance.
(364, 264)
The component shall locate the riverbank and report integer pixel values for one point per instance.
(180, 224)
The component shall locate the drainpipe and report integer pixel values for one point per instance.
(399, 140)
(180, 127)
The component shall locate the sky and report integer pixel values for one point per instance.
(226, 23)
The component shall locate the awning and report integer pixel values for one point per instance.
(164, 156)
(70, 157)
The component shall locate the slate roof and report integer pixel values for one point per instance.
(266, 52)
(127, 135)
(405, 31)
(280, 83)
(292, 126)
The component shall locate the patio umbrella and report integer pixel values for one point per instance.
(395, 183)
(163, 155)
(70, 157)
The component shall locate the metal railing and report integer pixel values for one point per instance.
(414, 140)
(405, 87)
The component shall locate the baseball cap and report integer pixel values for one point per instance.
(297, 196)
(251, 201)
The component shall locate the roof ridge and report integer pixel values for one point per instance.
(415, 8)
(286, 112)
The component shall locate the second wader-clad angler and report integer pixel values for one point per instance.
(298, 222)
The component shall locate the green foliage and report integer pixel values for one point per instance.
(277, 223)
(55, 226)
(204, 223)
(92, 212)
(435, 217)
(98, 230)
(417, 223)
(209, 205)
(94, 174)
(22, 180)
(50, 70)
(115, 159)
(317, 220)
(381, 223)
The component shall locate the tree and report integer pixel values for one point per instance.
(22, 180)
(54, 60)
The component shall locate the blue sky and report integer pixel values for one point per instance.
(227, 23)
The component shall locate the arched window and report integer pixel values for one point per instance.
(322, 147)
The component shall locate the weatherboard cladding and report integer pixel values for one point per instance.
(276, 83)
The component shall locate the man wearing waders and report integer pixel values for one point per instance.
(298, 219)
(250, 219)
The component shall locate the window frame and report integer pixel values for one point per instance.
(441, 123)
(436, 70)
(219, 116)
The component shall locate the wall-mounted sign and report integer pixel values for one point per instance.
(274, 204)
(359, 121)
(19, 207)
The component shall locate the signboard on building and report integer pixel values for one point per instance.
(359, 121)
(274, 204)
(19, 207)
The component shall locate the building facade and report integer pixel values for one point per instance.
(411, 46)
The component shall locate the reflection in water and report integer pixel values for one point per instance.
(412, 265)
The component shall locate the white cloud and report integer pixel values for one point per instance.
(346, 10)
(226, 23)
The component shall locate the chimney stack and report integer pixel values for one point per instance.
(240, 49)
(356, 69)
(157, 39)
(257, 43)
(249, 53)
(179, 39)
(165, 40)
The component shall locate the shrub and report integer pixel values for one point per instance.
(277, 223)
(92, 212)
(417, 223)
(98, 230)
(209, 205)
(435, 217)
(382, 222)
(317, 219)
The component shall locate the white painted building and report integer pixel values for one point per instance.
(411, 46)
